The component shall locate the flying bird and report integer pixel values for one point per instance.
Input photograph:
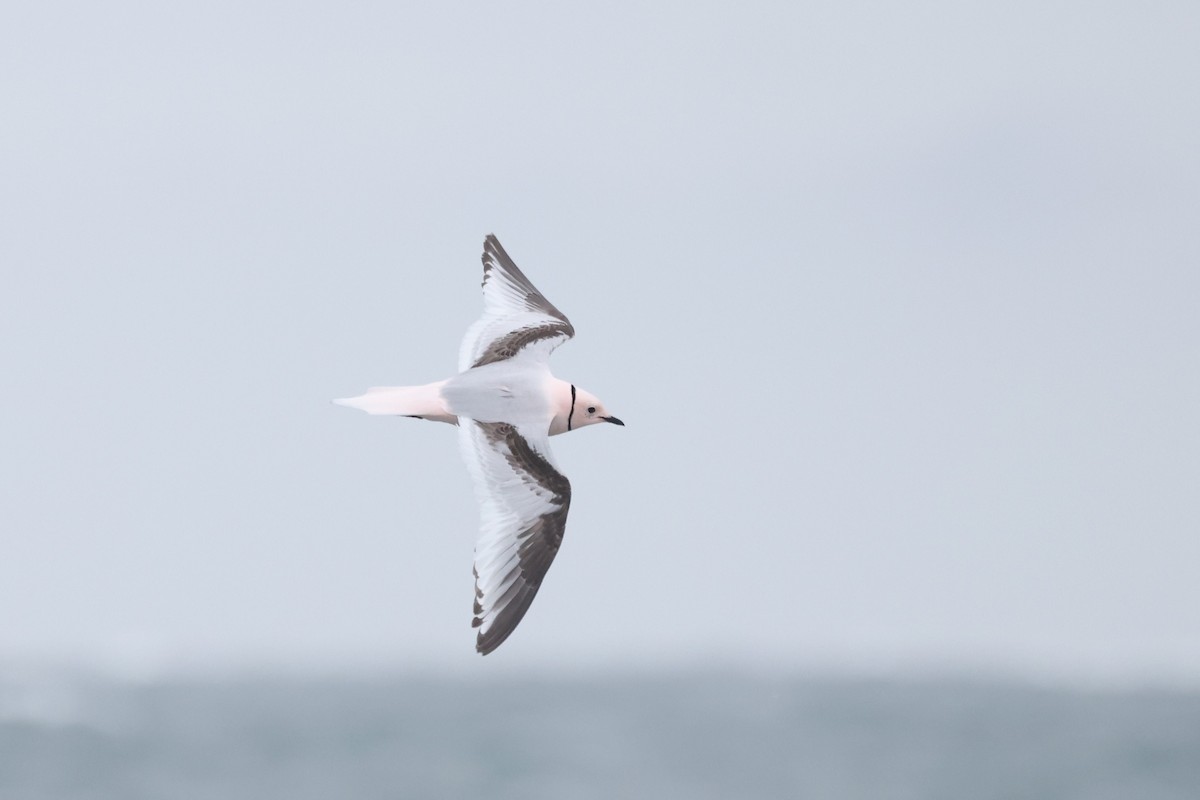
(506, 404)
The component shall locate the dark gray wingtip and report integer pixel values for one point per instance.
(494, 255)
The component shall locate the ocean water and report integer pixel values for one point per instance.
(668, 736)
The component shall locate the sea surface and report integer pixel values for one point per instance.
(663, 736)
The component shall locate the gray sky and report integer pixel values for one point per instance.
(900, 302)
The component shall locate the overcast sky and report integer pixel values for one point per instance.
(900, 304)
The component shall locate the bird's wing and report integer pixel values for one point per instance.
(524, 500)
(516, 317)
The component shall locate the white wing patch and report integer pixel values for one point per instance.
(515, 315)
(524, 501)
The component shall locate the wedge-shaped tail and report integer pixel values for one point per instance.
(403, 401)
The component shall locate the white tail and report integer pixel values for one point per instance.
(408, 401)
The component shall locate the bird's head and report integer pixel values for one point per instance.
(587, 409)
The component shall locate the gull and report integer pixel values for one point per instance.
(506, 404)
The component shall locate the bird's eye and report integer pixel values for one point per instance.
(591, 409)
